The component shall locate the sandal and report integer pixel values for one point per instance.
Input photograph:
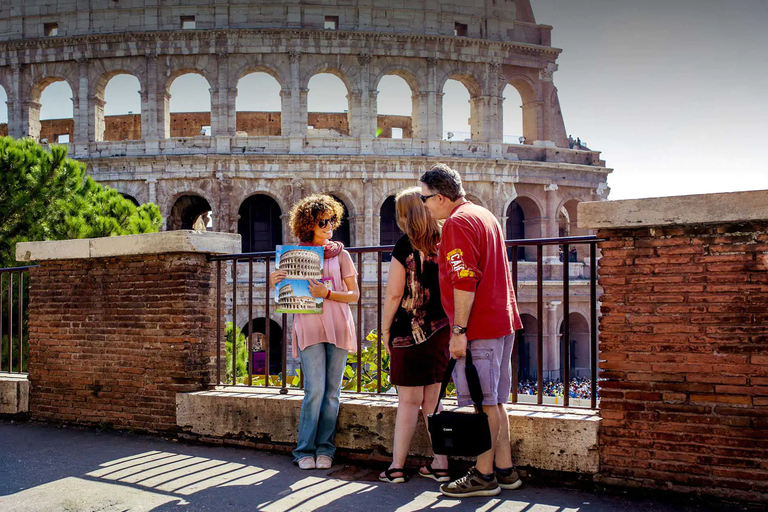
(439, 475)
(387, 476)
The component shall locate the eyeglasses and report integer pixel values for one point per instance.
(333, 221)
(424, 198)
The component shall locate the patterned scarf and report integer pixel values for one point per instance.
(330, 249)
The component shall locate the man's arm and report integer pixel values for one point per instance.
(462, 303)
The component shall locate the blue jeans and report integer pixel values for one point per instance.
(323, 367)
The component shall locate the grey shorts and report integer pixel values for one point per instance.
(493, 360)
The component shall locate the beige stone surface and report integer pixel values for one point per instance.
(542, 437)
(14, 393)
(148, 243)
(677, 210)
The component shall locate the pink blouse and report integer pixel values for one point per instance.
(334, 325)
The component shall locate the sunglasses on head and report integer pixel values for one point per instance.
(324, 222)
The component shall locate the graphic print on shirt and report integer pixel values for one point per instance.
(414, 302)
(456, 261)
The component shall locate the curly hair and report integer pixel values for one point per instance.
(304, 215)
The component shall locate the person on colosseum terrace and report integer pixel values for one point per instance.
(415, 330)
(478, 296)
(322, 341)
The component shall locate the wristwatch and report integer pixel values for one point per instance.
(459, 330)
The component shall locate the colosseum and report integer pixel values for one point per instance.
(247, 168)
(301, 264)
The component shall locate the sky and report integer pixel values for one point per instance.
(670, 91)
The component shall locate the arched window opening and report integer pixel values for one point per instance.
(579, 341)
(186, 211)
(57, 123)
(578, 252)
(342, 233)
(327, 106)
(260, 225)
(394, 106)
(122, 109)
(456, 111)
(3, 112)
(512, 116)
(259, 356)
(527, 355)
(389, 232)
(523, 221)
(130, 198)
(190, 106)
(258, 106)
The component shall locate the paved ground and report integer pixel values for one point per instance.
(45, 468)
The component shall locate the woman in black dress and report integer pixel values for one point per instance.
(415, 330)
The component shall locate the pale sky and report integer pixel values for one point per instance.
(669, 90)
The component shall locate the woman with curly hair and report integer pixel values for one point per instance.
(322, 341)
(414, 330)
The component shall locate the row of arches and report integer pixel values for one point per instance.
(398, 102)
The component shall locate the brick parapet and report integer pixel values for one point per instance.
(684, 351)
(112, 340)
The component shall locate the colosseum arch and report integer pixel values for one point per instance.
(330, 120)
(177, 129)
(125, 125)
(33, 114)
(265, 121)
(258, 358)
(185, 210)
(531, 105)
(260, 223)
(100, 74)
(568, 221)
(524, 220)
(4, 112)
(578, 330)
(466, 78)
(347, 231)
(527, 354)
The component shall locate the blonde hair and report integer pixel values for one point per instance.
(414, 220)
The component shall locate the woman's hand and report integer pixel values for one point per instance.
(317, 289)
(276, 276)
(385, 341)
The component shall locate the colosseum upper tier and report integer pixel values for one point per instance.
(248, 169)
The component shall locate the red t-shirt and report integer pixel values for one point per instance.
(472, 257)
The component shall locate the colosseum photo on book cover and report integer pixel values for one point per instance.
(302, 263)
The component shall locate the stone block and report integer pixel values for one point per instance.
(14, 393)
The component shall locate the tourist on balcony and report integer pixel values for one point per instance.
(415, 330)
(322, 341)
(478, 296)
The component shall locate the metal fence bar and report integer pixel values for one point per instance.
(566, 339)
(250, 323)
(359, 319)
(593, 320)
(267, 327)
(540, 324)
(10, 321)
(378, 323)
(219, 319)
(516, 346)
(21, 321)
(234, 322)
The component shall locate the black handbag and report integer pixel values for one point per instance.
(461, 433)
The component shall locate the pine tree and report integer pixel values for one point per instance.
(46, 196)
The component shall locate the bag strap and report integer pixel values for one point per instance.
(473, 381)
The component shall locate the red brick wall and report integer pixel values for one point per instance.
(684, 345)
(112, 340)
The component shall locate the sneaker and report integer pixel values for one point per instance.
(509, 481)
(471, 484)
(323, 462)
(306, 463)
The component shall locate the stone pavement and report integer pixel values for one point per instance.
(48, 468)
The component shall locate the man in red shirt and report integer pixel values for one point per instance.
(478, 295)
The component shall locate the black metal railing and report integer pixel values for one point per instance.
(374, 256)
(13, 319)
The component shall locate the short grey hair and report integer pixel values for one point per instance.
(444, 180)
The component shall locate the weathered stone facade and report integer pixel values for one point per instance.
(532, 187)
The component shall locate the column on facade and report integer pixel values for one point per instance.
(149, 102)
(427, 114)
(533, 121)
(294, 117)
(223, 111)
(15, 103)
(550, 226)
(368, 213)
(85, 106)
(551, 363)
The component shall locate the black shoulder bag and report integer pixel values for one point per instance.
(461, 433)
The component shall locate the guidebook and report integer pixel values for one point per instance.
(302, 263)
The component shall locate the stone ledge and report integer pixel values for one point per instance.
(677, 210)
(549, 438)
(130, 245)
(14, 393)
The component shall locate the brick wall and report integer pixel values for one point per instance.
(112, 340)
(684, 344)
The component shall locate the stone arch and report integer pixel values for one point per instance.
(463, 75)
(524, 216)
(171, 129)
(6, 117)
(386, 121)
(389, 232)
(98, 104)
(259, 122)
(527, 354)
(185, 211)
(130, 198)
(350, 231)
(475, 199)
(580, 341)
(260, 223)
(250, 67)
(531, 104)
(343, 71)
(258, 357)
(569, 206)
(35, 128)
(398, 69)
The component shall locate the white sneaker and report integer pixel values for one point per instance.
(306, 463)
(324, 462)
